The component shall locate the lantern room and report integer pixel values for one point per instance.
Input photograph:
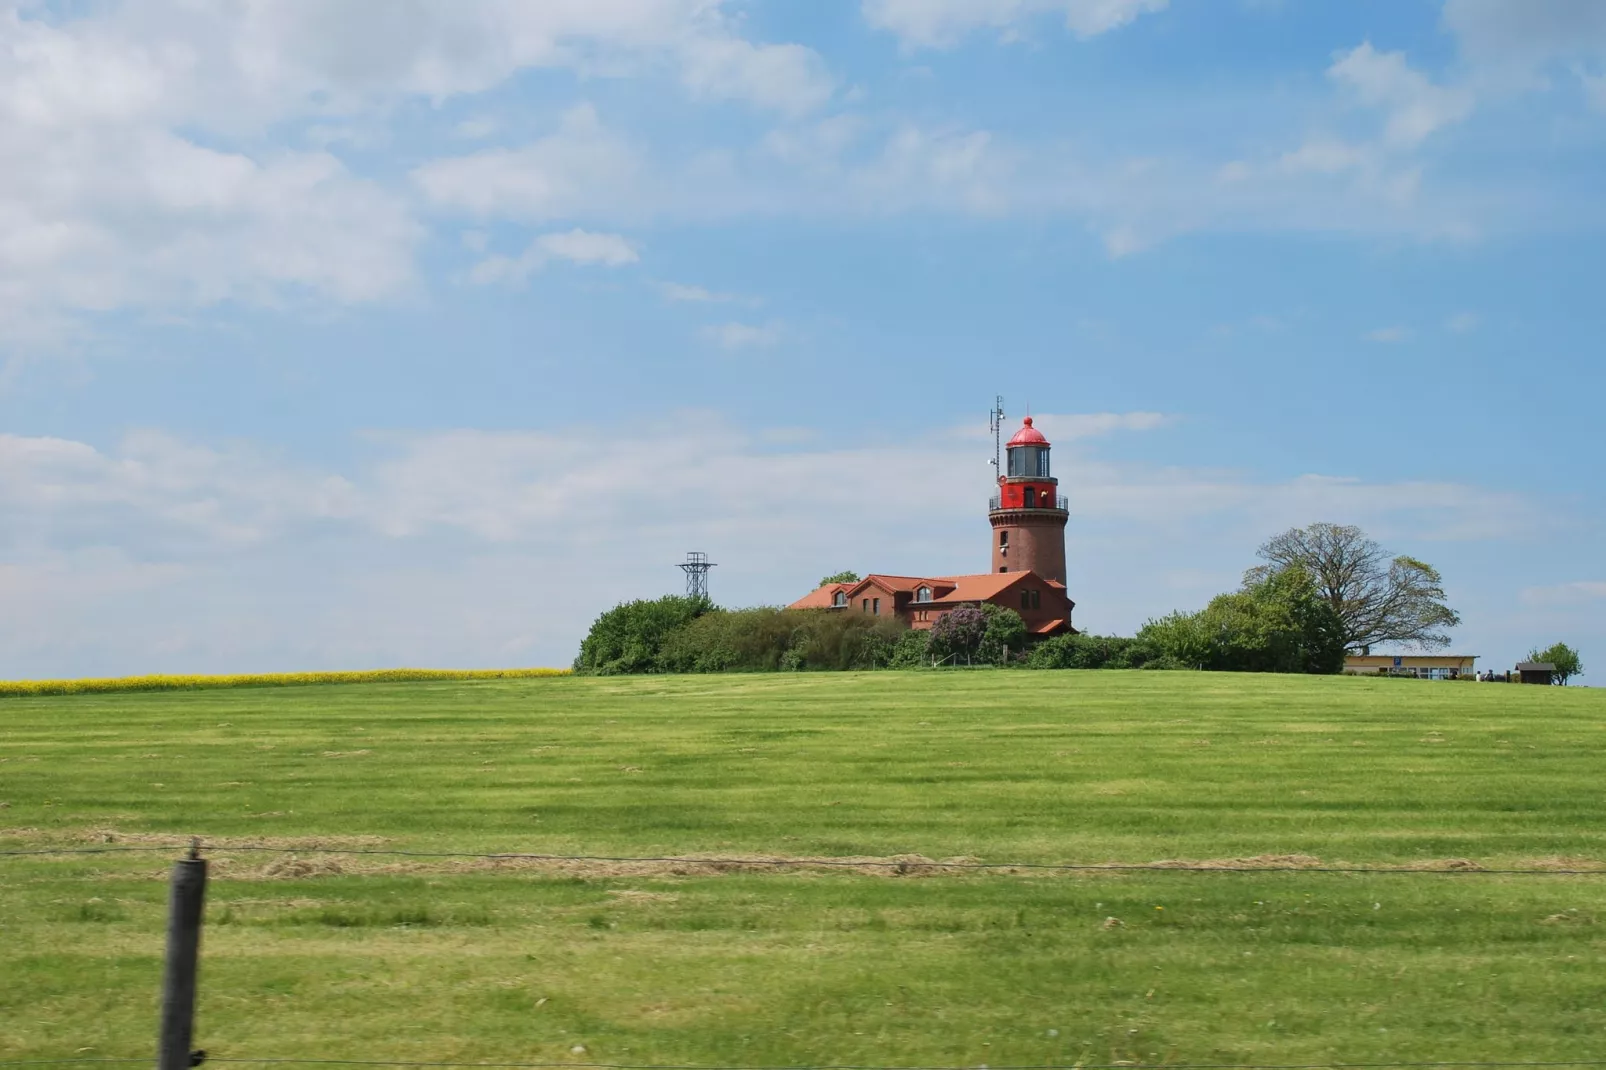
(1027, 453)
(1026, 482)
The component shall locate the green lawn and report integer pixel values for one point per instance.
(329, 956)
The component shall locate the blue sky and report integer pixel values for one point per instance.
(385, 332)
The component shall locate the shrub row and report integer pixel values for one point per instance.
(676, 634)
(679, 634)
(1275, 623)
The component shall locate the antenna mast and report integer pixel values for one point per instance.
(696, 567)
(995, 424)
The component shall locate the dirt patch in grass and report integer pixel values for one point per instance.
(96, 837)
(300, 857)
(380, 864)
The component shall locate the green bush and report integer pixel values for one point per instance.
(1278, 624)
(628, 637)
(767, 639)
(723, 640)
(1005, 636)
(1096, 652)
(911, 651)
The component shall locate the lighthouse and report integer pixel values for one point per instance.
(1028, 513)
(1028, 573)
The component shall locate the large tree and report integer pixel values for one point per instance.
(1378, 598)
(1563, 657)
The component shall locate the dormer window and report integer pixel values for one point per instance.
(840, 598)
(923, 594)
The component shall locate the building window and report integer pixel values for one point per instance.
(1003, 568)
(1031, 497)
(864, 606)
(1042, 464)
(1026, 600)
(1036, 600)
(923, 594)
(839, 599)
(875, 607)
(1003, 539)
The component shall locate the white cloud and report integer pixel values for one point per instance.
(479, 127)
(942, 23)
(1326, 156)
(675, 291)
(788, 78)
(1388, 335)
(1235, 171)
(1075, 426)
(1577, 592)
(1414, 105)
(264, 58)
(1124, 241)
(1462, 323)
(138, 166)
(587, 247)
(576, 246)
(103, 205)
(580, 169)
(1520, 39)
(733, 336)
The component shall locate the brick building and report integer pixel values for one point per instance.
(1028, 517)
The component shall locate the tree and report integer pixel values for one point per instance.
(840, 577)
(1564, 658)
(1278, 624)
(628, 637)
(1005, 634)
(958, 632)
(1378, 599)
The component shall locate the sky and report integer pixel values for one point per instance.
(418, 332)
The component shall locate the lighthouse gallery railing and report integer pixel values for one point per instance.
(1059, 506)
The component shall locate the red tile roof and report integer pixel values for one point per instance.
(945, 590)
(985, 585)
(821, 598)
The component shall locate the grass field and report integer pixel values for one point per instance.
(315, 954)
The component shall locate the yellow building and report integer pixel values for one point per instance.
(1423, 666)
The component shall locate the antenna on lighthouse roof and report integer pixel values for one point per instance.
(995, 424)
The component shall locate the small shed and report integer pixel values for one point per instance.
(1536, 672)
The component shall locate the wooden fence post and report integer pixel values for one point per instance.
(185, 904)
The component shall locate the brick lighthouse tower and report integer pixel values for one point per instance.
(1028, 514)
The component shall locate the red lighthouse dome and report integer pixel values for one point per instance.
(1027, 436)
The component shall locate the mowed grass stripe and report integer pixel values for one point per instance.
(795, 971)
(1029, 767)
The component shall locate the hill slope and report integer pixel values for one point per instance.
(314, 953)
